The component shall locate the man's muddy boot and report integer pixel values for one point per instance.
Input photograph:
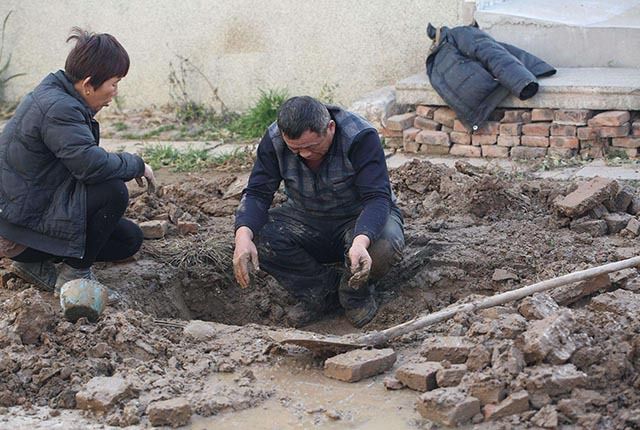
(359, 304)
(68, 273)
(305, 313)
(41, 274)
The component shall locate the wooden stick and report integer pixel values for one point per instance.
(378, 338)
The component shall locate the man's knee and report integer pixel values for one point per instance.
(388, 249)
(133, 239)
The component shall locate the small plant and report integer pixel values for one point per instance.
(255, 121)
(178, 161)
(120, 126)
(328, 93)
(186, 108)
(4, 67)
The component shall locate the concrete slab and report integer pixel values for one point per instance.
(570, 33)
(569, 88)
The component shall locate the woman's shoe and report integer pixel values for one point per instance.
(41, 274)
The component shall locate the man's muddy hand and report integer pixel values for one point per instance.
(245, 257)
(360, 262)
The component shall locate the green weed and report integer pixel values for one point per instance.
(255, 121)
(328, 93)
(193, 159)
(120, 126)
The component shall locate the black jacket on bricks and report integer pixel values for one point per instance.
(48, 154)
(473, 73)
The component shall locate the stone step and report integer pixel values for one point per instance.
(568, 33)
(569, 88)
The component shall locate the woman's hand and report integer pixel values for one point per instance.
(150, 177)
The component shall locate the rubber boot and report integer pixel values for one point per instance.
(359, 304)
(41, 274)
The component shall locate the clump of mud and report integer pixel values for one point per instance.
(46, 360)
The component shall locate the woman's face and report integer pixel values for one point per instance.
(100, 97)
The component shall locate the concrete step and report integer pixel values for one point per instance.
(568, 33)
(569, 88)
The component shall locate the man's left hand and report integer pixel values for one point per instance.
(360, 261)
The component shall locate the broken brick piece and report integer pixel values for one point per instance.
(419, 376)
(359, 364)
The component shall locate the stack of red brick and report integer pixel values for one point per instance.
(517, 133)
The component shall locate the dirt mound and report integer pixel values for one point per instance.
(46, 360)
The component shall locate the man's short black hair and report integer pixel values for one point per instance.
(97, 55)
(300, 114)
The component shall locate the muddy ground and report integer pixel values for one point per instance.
(470, 232)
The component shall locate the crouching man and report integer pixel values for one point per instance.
(339, 209)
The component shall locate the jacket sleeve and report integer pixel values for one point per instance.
(506, 68)
(264, 181)
(66, 134)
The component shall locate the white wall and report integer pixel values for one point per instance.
(240, 45)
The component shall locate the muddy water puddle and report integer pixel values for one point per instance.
(305, 398)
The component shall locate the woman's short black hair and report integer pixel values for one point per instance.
(97, 55)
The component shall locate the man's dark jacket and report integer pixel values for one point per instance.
(473, 73)
(49, 153)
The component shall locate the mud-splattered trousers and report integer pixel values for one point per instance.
(300, 252)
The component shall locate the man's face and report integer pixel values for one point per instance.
(310, 145)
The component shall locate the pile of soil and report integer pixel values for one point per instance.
(463, 226)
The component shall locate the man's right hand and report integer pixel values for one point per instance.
(245, 256)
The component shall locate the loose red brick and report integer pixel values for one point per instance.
(451, 376)
(419, 376)
(465, 150)
(410, 133)
(484, 139)
(447, 406)
(486, 388)
(385, 132)
(445, 116)
(586, 133)
(562, 130)
(572, 117)
(410, 146)
(455, 349)
(428, 149)
(538, 141)
(433, 137)
(620, 131)
(536, 129)
(494, 151)
(459, 126)
(426, 124)
(359, 364)
(541, 115)
(489, 127)
(613, 118)
(511, 129)
(555, 380)
(626, 142)
(587, 196)
(568, 294)
(516, 403)
(460, 138)
(514, 116)
(508, 140)
(562, 152)
(425, 111)
(564, 142)
(400, 122)
(527, 153)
